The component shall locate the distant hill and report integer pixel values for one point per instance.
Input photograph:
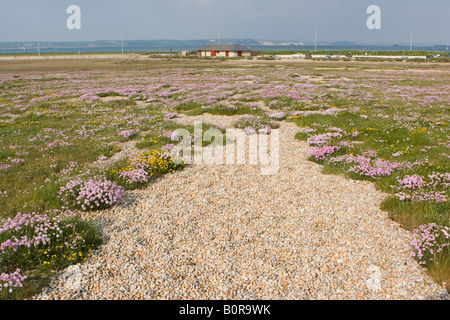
(108, 43)
(344, 43)
(166, 45)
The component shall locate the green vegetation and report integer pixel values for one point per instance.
(57, 132)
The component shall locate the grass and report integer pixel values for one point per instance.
(188, 106)
(219, 109)
(40, 263)
(36, 168)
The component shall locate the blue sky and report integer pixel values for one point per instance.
(296, 20)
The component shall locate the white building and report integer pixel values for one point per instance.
(228, 50)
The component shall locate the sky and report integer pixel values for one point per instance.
(278, 20)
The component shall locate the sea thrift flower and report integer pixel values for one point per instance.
(97, 193)
(411, 182)
(11, 280)
(170, 115)
(172, 135)
(370, 154)
(322, 139)
(137, 175)
(397, 154)
(15, 160)
(309, 130)
(4, 166)
(249, 130)
(143, 167)
(277, 115)
(320, 153)
(265, 129)
(420, 189)
(167, 149)
(355, 133)
(375, 169)
(421, 196)
(428, 241)
(346, 144)
(89, 97)
(368, 167)
(127, 133)
(28, 236)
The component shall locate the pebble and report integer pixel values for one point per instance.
(227, 232)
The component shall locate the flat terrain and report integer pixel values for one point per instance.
(364, 167)
(136, 62)
(227, 232)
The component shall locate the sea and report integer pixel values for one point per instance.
(33, 48)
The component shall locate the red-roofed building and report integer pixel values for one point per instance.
(228, 50)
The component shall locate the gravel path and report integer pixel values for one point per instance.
(227, 232)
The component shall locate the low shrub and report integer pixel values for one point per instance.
(41, 243)
(95, 194)
(141, 169)
(430, 240)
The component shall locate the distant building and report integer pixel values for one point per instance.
(227, 50)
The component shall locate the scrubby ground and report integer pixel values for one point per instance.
(227, 231)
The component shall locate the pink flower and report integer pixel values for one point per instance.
(320, 153)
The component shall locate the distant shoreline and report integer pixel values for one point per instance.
(119, 54)
(64, 56)
(165, 55)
